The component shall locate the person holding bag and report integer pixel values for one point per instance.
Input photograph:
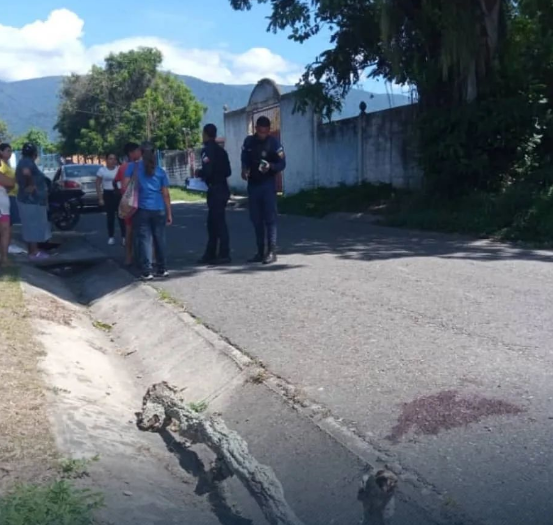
(148, 186)
(132, 154)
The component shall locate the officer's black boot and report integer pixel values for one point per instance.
(271, 256)
(257, 258)
(207, 258)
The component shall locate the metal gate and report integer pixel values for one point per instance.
(273, 114)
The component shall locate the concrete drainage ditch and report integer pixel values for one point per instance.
(250, 419)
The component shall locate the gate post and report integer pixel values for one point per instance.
(360, 142)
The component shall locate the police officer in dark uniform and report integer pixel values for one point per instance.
(215, 171)
(262, 158)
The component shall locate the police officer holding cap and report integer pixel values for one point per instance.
(215, 171)
(262, 158)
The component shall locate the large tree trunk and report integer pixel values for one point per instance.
(491, 10)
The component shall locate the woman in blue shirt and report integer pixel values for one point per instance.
(154, 211)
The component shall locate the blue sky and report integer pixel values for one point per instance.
(42, 37)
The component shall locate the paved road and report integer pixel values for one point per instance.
(434, 348)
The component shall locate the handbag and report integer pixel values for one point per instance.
(129, 201)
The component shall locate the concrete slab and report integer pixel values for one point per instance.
(92, 401)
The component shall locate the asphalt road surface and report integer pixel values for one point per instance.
(437, 349)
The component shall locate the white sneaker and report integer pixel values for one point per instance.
(13, 249)
(111, 241)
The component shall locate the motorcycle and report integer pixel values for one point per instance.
(64, 206)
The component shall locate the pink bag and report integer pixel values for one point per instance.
(129, 201)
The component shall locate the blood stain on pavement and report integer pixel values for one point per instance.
(446, 410)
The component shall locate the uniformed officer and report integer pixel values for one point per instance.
(262, 158)
(215, 171)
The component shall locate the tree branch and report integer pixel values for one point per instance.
(161, 404)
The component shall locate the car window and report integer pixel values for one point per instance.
(77, 172)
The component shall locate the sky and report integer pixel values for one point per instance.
(205, 39)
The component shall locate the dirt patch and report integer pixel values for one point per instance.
(49, 309)
(446, 410)
(27, 449)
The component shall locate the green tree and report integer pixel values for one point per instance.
(35, 136)
(482, 70)
(127, 99)
(4, 133)
(444, 48)
(162, 115)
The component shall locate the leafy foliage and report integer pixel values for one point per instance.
(35, 136)
(4, 133)
(58, 503)
(441, 47)
(482, 70)
(127, 99)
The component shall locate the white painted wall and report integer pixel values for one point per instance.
(337, 145)
(297, 137)
(389, 154)
(330, 154)
(236, 126)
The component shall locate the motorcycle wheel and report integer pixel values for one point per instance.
(68, 219)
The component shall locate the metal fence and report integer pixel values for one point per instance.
(179, 165)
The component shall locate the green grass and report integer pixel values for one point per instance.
(166, 297)
(57, 503)
(199, 407)
(104, 327)
(323, 201)
(521, 212)
(179, 194)
(71, 468)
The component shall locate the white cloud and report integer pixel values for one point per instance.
(55, 47)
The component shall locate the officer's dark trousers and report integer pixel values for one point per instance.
(217, 230)
(262, 203)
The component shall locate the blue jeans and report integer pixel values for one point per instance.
(262, 203)
(148, 225)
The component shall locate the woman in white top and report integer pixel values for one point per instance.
(109, 196)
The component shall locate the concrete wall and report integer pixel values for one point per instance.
(389, 152)
(375, 147)
(236, 129)
(297, 136)
(337, 153)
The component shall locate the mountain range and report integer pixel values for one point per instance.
(33, 103)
